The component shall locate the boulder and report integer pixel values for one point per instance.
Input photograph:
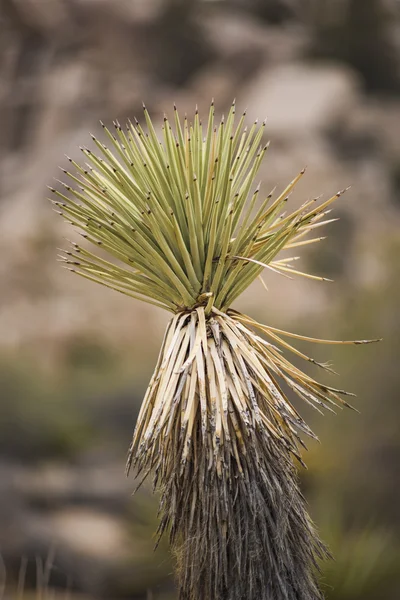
(301, 99)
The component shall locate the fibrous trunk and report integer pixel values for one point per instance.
(219, 434)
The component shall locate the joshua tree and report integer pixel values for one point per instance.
(216, 429)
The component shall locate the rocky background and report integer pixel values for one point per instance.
(75, 358)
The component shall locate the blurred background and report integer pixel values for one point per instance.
(75, 358)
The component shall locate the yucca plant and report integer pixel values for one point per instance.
(189, 233)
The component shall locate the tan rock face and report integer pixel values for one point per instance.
(90, 533)
(302, 99)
